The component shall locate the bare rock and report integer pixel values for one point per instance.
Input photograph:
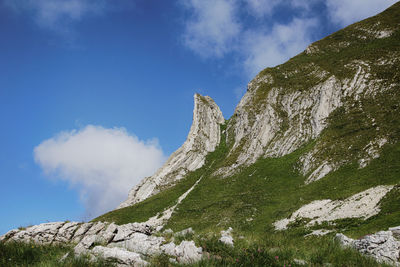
(85, 244)
(8, 235)
(109, 233)
(80, 233)
(126, 230)
(226, 237)
(66, 232)
(141, 243)
(344, 240)
(362, 205)
(187, 252)
(185, 232)
(96, 228)
(381, 245)
(122, 256)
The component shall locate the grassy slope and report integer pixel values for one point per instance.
(20, 254)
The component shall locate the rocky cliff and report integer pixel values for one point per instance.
(204, 137)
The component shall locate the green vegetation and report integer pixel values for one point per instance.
(20, 254)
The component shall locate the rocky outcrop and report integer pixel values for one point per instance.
(226, 237)
(384, 246)
(204, 137)
(129, 244)
(361, 205)
(273, 121)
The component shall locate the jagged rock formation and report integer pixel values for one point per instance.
(361, 205)
(384, 246)
(128, 243)
(204, 137)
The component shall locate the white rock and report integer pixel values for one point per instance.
(96, 228)
(141, 243)
(382, 246)
(85, 244)
(80, 233)
(187, 252)
(169, 248)
(344, 240)
(8, 235)
(126, 230)
(185, 232)
(226, 237)
(66, 232)
(124, 257)
(361, 205)
(44, 233)
(108, 234)
(204, 137)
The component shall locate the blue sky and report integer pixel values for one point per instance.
(94, 95)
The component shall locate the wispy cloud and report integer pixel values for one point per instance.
(211, 28)
(215, 28)
(261, 8)
(273, 47)
(247, 28)
(103, 164)
(345, 12)
(58, 15)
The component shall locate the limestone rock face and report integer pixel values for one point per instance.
(362, 205)
(129, 244)
(204, 137)
(273, 121)
(123, 257)
(383, 246)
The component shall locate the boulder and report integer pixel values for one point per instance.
(122, 256)
(187, 252)
(382, 246)
(226, 237)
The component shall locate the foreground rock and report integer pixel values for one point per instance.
(127, 244)
(384, 246)
(226, 237)
(362, 205)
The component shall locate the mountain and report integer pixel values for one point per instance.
(311, 152)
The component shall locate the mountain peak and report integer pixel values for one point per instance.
(203, 138)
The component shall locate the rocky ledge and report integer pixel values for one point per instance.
(128, 244)
(384, 246)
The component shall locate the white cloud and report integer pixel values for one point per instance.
(277, 45)
(260, 8)
(345, 12)
(215, 28)
(212, 27)
(58, 15)
(104, 164)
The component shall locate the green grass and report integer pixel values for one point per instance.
(20, 254)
